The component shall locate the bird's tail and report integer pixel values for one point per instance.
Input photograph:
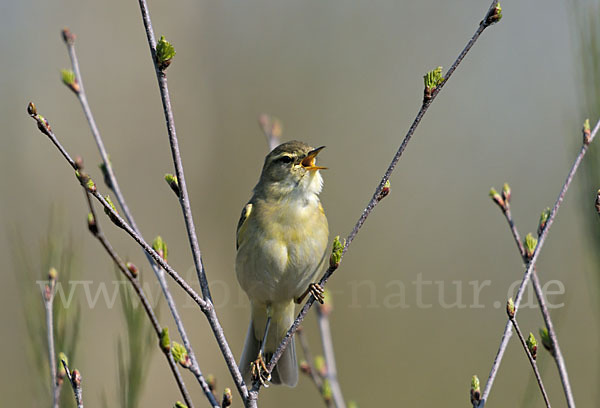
(282, 317)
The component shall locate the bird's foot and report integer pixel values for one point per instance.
(259, 371)
(314, 289)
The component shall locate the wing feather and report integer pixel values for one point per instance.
(242, 222)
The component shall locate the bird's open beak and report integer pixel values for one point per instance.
(309, 161)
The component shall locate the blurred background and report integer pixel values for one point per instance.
(347, 75)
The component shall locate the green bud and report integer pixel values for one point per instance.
(227, 398)
(320, 365)
(69, 79)
(384, 191)
(52, 274)
(104, 169)
(160, 247)
(60, 369)
(179, 353)
(132, 269)
(90, 185)
(530, 244)
(180, 404)
(495, 15)
(92, 226)
(543, 219)
(475, 390)
(510, 308)
(587, 132)
(326, 391)
(212, 382)
(497, 198)
(173, 183)
(165, 340)
(546, 340)
(112, 217)
(352, 404)
(432, 80)
(532, 345)
(164, 53)
(85, 181)
(336, 252)
(506, 193)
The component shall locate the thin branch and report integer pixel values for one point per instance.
(310, 370)
(490, 17)
(75, 380)
(186, 208)
(556, 352)
(205, 305)
(327, 344)
(111, 181)
(531, 357)
(168, 112)
(272, 130)
(94, 228)
(532, 261)
(114, 216)
(48, 299)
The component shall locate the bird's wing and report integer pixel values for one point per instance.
(242, 223)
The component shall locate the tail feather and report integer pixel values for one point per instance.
(249, 354)
(286, 370)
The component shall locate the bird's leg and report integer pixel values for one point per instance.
(314, 289)
(259, 368)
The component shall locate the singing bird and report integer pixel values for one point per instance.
(282, 238)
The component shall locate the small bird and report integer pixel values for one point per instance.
(282, 239)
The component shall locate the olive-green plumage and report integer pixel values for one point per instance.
(282, 237)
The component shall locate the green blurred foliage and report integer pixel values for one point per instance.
(134, 353)
(59, 250)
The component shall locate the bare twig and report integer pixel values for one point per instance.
(75, 380)
(48, 299)
(111, 181)
(556, 352)
(327, 344)
(186, 208)
(271, 127)
(183, 196)
(94, 228)
(492, 15)
(531, 264)
(530, 356)
(310, 368)
(205, 305)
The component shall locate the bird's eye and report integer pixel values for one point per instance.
(285, 159)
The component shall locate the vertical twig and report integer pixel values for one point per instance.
(185, 206)
(111, 181)
(531, 264)
(48, 299)
(311, 370)
(173, 141)
(272, 130)
(327, 344)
